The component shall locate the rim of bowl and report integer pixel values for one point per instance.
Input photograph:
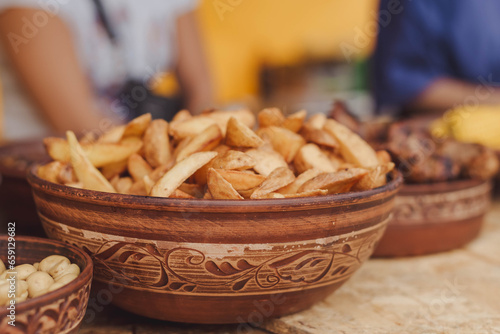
(48, 298)
(441, 187)
(275, 204)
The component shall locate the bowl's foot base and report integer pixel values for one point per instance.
(243, 309)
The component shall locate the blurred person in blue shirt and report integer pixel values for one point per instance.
(435, 54)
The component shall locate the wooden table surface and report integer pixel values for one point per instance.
(452, 292)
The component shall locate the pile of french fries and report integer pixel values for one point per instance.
(219, 155)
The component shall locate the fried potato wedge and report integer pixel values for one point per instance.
(116, 168)
(240, 135)
(67, 174)
(310, 193)
(180, 194)
(283, 141)
(220, 188)
(234, 160)
(222, 117)
(204, 141)
(113, 136)
(50, 172)
(85, 171)
(310, 156)
(266, 160)
(181, 116)
(383, 156)
(319, 137)
(352, 147)
(179, 173)
(316, 121)
(122, 184)
(295, 121)
(279, 178)
(375, 178)
(157, 149)
(241, 180)
(99, 154)
(138, 188)
(195, 190)
(138, 167)
(293, 187)
(336, 182)
(270, 117)
(190, 127)
(137, 126)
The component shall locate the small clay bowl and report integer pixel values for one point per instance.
(217, 261)
(59, 311)
(436, 217)
(16, 200)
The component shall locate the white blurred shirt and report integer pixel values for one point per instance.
(145, 30)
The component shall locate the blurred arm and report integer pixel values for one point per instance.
(446, 93)
(48, 66)
(192, 64)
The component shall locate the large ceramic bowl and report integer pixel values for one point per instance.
(59, 311)
(436, 217)
(217, 261)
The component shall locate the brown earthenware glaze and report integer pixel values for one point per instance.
(217, 261)
(59, 311)
(430, 218)
(16, 200)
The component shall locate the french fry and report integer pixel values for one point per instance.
(241, 180)
(99, 154)
(122, 184)
(336, 182)
(310, 156)
(238, 134)
(180, 194)
(116, 168)
(190, 127)
(181, 116)
(157, 149)
(316, 121)
(375, 178)
(138, 189)
(293, 187)
(192, 189)
(159, 171)
(137, 126)
(272, 195)
(266, 160)
(352, 147)
(204, 141)
(279, 178)
(112, 136)
(221, 117)
(270, 117)
(295, 121)
(50, 172)
(148, 183)
(319, 137)
(138, 167)
(86, 173)
(179, 173)
(219, 188)
(233, 160)
(284, 141)
(67, 175)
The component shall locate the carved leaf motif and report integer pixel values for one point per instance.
(241, 284)
(289, 260)
(152, 249)
(189, 288)
(340, 270)
(125, 256)
(316, 262)
(163, 280)
(225, 269)
(176, 285)
(303, 263)
(244, 265)
(110, 251)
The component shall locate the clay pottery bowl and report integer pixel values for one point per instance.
(435, 217)
(59, 311)
(217, 261)
(16, 200)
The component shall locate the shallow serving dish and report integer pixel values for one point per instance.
(217, 261)
(430, 218)
(59, 311)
